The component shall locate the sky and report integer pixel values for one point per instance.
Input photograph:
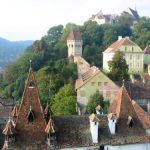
(31, 19)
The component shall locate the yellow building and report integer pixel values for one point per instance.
(133, 54)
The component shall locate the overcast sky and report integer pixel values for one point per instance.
(30, 19)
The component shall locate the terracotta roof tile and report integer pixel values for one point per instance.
(74, 35)
(123, 108)
(143, 116)
(86, 77)
(118, 43)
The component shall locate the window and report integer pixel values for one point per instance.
(99, 83)
(108, 93)
(31, 84)
(30, 116)
(92, 83)
(82, 93)
(105, 83)
(138, 56)
(125, 48)
(132, 49)
(130, 122)
(131, 56)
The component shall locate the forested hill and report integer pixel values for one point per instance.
(10, 51)
(55, 76)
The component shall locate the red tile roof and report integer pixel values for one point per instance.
(86, 77)
(118, 43)
(123, 108)
(143, 116)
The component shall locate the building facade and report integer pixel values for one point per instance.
(101, 18)
(133, 54)
(74, 43)
(90, 82)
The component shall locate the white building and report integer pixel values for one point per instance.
(74, 43)
(101, 18)
(133, 54)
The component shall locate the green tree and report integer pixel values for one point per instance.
(141, 32)
(64, 102)
(95, 100)
(118, 67)
(125, 19)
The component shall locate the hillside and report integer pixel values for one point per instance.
(10, 51)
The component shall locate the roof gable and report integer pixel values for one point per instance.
(27, 131)
(123, 108)
(120, 42)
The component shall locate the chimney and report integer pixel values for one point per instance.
(149, 69)
(94, 123)
(112, 123)
(119, 38)
(99, 110)
(127, 37)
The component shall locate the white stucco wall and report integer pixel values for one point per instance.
(107, 57)
(94, 131)
(145, 146)
(112, 125)
(74, 47)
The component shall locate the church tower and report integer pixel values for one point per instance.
(74, 43)
(30, 122)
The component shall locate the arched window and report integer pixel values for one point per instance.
(31, 84)
(130, 122)
(31, 116)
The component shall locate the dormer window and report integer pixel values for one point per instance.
(30, 116)
(130, 122)
(31, 84)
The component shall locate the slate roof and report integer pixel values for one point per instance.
(147, 50)
(115, 46)
(74, 35)
(134, 14)
(137, 90)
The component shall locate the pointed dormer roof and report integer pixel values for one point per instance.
(9, 128)
(14, 112)
(124, 110)
(74, 35)
(27, 127)
(50, 128)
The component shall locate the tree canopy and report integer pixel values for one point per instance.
(95, 100)
(64, 102)
(118, 67)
